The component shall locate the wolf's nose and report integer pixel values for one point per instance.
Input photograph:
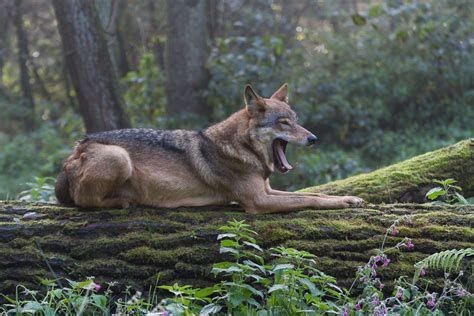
(312, 139)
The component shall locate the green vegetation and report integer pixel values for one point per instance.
(447, 191)
(410, 179)
(377, 87)
(290, 285)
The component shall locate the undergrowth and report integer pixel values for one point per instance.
(290, 285)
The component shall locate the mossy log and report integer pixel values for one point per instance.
(133, 246)
(409, 180)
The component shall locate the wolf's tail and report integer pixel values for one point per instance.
(61, 189)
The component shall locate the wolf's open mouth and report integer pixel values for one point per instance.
(279, 158)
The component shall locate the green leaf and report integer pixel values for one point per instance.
(99, 300)
(31, 307)
(226, 250)
(253, 245)
(210, 309)
(229, 235)
(229, 243)
(236, 298)
(376, 11)
(277, 287)
(449, 181)
(205, 292)
(230, 270)
(434, 193)
(461, 198)
(284, 266)
(311, 286)
(255, 265)
(359, 20)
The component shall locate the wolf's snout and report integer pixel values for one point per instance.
(311, 139)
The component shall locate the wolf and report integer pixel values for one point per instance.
(230, 161)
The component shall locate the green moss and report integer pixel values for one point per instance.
(147, 255)
(389, 184)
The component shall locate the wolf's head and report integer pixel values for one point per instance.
(273, 124)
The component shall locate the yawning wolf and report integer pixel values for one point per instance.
(229, 161)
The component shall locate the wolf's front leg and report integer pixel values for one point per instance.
(259, 201)
(264, 204)
(271, 191)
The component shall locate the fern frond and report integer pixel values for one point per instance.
(448, 261)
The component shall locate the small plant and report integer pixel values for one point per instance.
(41, 190)
(447, 192)
(448, 260)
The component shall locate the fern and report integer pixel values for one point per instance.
(448, 260)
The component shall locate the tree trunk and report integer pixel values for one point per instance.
(409, 180)
(156, 32)
(185, 56)
(23, 56)
(90, 66)
(4, 24)
(133, 246)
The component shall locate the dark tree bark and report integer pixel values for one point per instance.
(112, 13)
(23, 56)
(4, 24)
(89, 64)
(185, 57)
(156, 29)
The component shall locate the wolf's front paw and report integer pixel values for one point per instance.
(353, 201)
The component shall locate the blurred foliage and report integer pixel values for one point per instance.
(395, 81)
(379, 84)
(144, 93)
(41, 190)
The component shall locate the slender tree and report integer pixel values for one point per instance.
(4, 24)
(23, 56)
(89, 64)
(185, 56)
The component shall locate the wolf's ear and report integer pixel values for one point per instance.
(281, 94)
(253, 102)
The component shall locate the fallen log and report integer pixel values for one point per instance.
(133, 246)
(409, 180)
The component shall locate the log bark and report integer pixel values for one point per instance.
(409, 180)
(133, 246)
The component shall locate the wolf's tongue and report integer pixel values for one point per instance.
(282, 157)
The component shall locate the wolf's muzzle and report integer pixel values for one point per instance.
(311, 140)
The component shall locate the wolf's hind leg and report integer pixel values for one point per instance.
(104, 169)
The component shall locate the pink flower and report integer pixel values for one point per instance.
(386, 262)
(375, 300)
(461, 292)
(381, 286)
(431, 303)
(410, 245)
(394, 232)
(357, 306)
(97, 287)
(422, 272)
(377, 258)
(399, 293)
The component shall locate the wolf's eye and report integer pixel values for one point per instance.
(284, 122)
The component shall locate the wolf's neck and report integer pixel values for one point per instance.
(232, 138)
(231, 130)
